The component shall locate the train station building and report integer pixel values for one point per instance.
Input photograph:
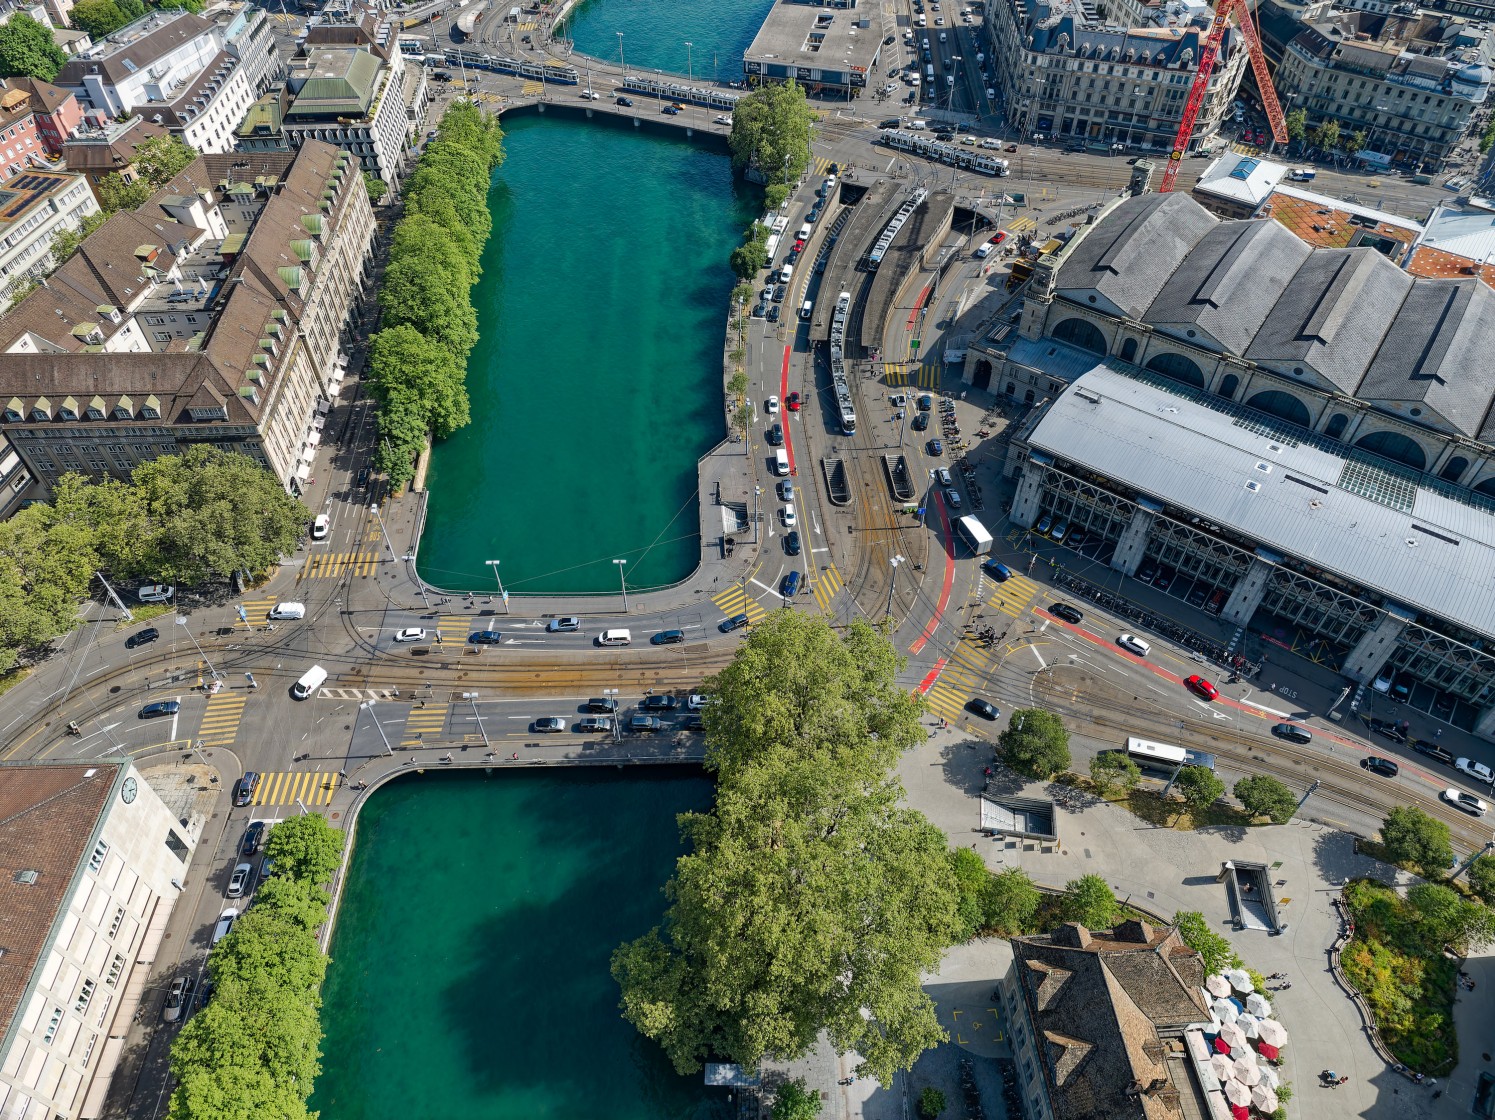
(1299, 440)
(827, 49)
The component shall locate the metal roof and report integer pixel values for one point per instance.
(1284, 488)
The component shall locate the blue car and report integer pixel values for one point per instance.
(485, 638)
(936, 447)
(789, 585)
(997, 570)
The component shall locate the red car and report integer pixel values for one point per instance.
(791, 402)
(1202, 688)
(1001, 236)
(799, 246)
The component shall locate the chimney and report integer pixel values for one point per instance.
(1071, 934)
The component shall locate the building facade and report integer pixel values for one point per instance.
(56, 110)
(21, 145)
(106, 147)
(1339, 396)
(1411, 80)
(211, 315)
(44, 204)
(91, 864)
(1063, 71)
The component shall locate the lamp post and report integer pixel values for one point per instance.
(472, 698)
(368, 706)
(502, 594)
(622, 65)
(612, 694)
(374, 509)
(181, 621)
(623, 581)
(892, 581)
(690, 78)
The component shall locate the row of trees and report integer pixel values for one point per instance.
(751, 257)
(181, 518)
(254, 1049)
(770, 138)
(1326, 135)
(417, 366)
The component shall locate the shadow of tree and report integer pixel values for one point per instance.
(965, 763)
(1337, 859)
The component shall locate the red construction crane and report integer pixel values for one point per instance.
(1207, 56)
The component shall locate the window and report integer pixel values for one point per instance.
(116, 969)
(100, 850)
(85, 996)
(52, 1025)
(88, 1050)
(119, 920)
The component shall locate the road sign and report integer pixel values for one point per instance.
(914, 344)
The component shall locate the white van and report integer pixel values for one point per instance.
(806, 309)
(983, 250)
(614, 638)
(918, 124)
(781, 462)
(155, 593)
(310, 681)
(942, 36)
(288, 611)
(929, 72)
(804, 232)
(786, 274)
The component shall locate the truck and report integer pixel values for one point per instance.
(977, 539)
(1302, 174)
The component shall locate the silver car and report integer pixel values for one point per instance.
(238, 880)
(549, 724)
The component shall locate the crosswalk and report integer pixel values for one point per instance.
(454, 629)
(532, 89)
(220, 722)
(1244, 149)
(256, 611)
(1022, 225)
(820, 167)
(924, 375)
(963, 676)
(825, 588)
(735, 600)
(286, 787)
(331, 565)
(424, 724)
(1013, 597)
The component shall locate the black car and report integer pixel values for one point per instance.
(144, 637)
(791, 542)
(775, 435)
(254, 836)
(1390, 729)
(658, 703)
(944, 137)
(668, 638)
(604, 704)
(921, 421)
(773, 314)
(1066, 612)
(736, 622)
(1383, 766)
(625, 101)
(936, 448)
(891, 122)
(363, 476)
(983, 708)
(1433, 751)
(244, 789)
(160, 708)
(760, 310)
(1293, 733)
(485, 638)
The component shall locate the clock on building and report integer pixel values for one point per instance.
(128, 791)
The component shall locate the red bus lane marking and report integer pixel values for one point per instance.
(784, 409)
(946, 584)
(933, 675)
(913, 316)
(1243, 706)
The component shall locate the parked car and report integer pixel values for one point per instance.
(1476, 770)
(659, 703)
(1378, 765)
(792, 402)
(791, 542)
(411, 634)
(566, 624)
(668, 638)
(254, 837)
(1068, 613)
(983, 708)
(1293, 732)
(1133, 644)
(605, 704)
(1433, 751)
(1201, 687)
(160, 708)
(696, 701)
(177, 998)
(1465, 801)
(225, 924)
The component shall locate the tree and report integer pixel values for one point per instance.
(1035, 743)
(376, 187)
(1089, 901)
(1217, 952)
(1297, 124)
(159, 159)
(1412, 837)
(811, 898)
(27, 49)
(1264, 796)
(1198, 786)
(931, 1103)
(1113, 773)
(1482, 879)
(1354, 142)
(418, 291)
(775, 195)
(1011, 902)
(66, 241)
(751, 257)
(1445, 920)
(794, 1101)
(305, 847)
(404, 362)
(297, 901)
(771, 133)
(973, 882)
(213, 513)
(116, 193)
(1326, 135)
(97, 17)
(264, 944)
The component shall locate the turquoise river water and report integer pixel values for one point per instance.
(655, 34)
(470, 963)
(596, 383)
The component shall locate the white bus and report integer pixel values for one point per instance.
(1157, 757)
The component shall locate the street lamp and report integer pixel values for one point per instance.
(623, 582)
(181, 621)
(368, 706)
(622, 65)
(502, 594)
(612, 694)
(893, 580)
(374, 509)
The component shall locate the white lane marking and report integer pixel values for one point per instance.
(1042, 664)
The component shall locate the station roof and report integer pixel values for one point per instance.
(816, 38)
(1289, 490)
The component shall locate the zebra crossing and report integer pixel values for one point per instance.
(287, 787)
(256, 610)
(735, 600)
(454, 628)
(826, 587)
(1022, 225)
(424, 723)
(220, 721)
(964, 675)
(331, 565)
(532, 88)
(1013, 597)
(820, 167)
(924, 375)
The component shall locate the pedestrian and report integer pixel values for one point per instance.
(1438, 734)
(516, 755)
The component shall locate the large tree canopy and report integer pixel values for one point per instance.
(27, 49)
(811, 899)
(771, 132)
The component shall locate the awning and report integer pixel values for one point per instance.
(323, 406)
(303, 470)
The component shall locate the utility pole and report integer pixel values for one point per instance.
(502, 594)
(1486, 850)
(118, 602)
(1307, 793)
(368, 706)
(623, 581)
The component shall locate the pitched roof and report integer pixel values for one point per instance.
(114, 150)
(49, 813)
(45, 97)
(134, 47)
(334, 81)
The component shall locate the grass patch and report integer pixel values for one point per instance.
(144, 613)
(1410, 991)
(9, 680)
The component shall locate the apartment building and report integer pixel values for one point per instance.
(1409, 78)
(210, 315)
(91, 864)
(34, 207)
(1066, 70)
(56, 111)
(102, 147)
